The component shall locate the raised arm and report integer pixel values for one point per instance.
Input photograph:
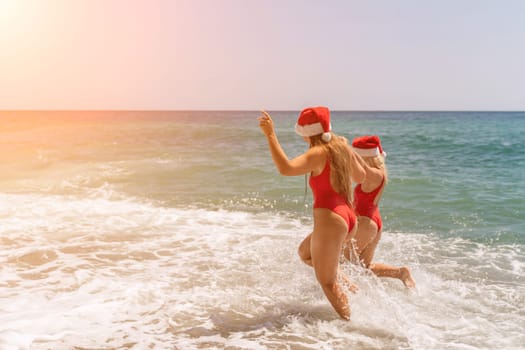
(300, 165)
(359, 167)
(362, 172)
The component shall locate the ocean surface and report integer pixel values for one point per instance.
(173, 230)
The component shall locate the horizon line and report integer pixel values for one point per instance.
(257, 110)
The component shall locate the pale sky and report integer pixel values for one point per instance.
(271, 54)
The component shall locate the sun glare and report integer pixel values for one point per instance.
(7, 8)
(10, 11)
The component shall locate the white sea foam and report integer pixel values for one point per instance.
(96, 272)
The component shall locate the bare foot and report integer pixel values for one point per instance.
(406, 277)
(346, 313)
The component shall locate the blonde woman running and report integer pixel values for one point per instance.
(367, 195)
(331, 164)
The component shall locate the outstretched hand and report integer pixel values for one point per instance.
(266, 123)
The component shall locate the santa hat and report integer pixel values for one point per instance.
(314, 121)
(368, 146)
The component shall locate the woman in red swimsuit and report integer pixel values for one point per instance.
(332, 166)
(366, 204)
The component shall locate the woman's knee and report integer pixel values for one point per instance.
(304, 249)
(303, 254)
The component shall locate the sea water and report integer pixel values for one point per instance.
(173, 230)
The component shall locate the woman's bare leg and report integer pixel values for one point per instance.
(367, 239)
(370, 238)
(304, 250)
(326, 243)
(401, 273)
(366, 232)
(305, 254)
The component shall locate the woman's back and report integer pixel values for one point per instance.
(366, 202)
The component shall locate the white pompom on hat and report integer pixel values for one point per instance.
(368, 146)
(314, 121)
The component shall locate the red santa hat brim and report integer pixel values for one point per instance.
(310, 129)
(368, 152)
(368, 146)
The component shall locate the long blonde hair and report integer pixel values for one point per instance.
(340, 166)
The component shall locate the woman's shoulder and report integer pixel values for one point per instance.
(317, 151)
(318, 156)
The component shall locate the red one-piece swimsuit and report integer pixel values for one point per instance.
(326, 197)
(364, 204)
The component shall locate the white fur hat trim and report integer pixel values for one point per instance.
(310, 129)
(368, 152)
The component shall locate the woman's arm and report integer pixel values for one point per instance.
(300, 165)
(362, 173)
(358, 166)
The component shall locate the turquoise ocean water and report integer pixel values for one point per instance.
(172, 230)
